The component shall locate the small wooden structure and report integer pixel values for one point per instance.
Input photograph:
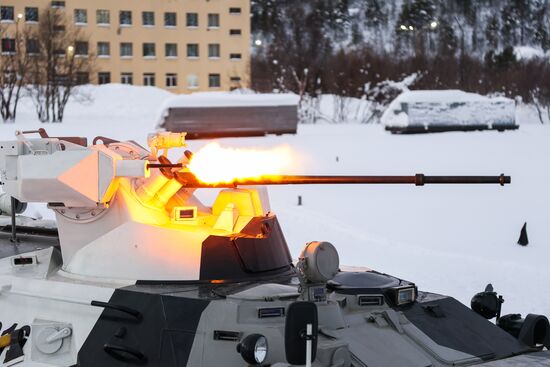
(213, 115)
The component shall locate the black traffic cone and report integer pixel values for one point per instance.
(523, 239)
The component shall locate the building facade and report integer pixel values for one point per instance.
(179, 45)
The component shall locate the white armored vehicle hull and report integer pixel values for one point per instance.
(139, 272)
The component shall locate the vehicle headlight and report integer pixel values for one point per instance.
(404, 295)
(253, 349)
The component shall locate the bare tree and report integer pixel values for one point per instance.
(541, 101)
(63, 63)
(14, 68)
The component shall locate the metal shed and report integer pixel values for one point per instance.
(209, 115)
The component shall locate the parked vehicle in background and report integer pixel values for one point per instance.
(425, 111)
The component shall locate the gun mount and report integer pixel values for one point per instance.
(119, 192)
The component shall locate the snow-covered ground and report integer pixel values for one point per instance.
(448, 239)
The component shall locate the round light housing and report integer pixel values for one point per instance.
(487, 303)
(253, 349)
(319, 262)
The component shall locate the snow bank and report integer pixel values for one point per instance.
(113, 110)
(529, 52)
(448, 107)
(339, 109)
(104, 103)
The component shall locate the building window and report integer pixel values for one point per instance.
(214, 81)
(59, 28)
(103, 17)
(103, 49)
(170, 20)
(6, 13)
(103, 78)
(149, 79)
(60, 52)
(149, 50)
(192, 20)
(171, 50)
(82, 78)
(235, 32)
(81, 48)
(235, 56)
(192, 81)
(31, 15)
(8, 45)
(125, 18)
(148, 18)
(171, 80)
(235, 11)
(58, 4)
(127, 78)
(214, 50)
(235, 82)
(61, 79)
(213, 20)
(126, 49)
(192, 50)
(81, 16)
(32, 46)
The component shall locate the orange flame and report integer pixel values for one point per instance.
(215, 164)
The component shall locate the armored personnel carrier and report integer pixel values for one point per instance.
(138, 272)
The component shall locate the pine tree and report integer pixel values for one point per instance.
(492, 32)
(421, 13)
(356, 35)
(509, 25)
(404, 38)
(516, 21)
(502, 61)
(540, 24)
(446, 39)
(375, 13)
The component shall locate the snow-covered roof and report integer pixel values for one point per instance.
(442, 96)
(226, 99)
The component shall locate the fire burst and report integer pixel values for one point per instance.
(215, 164)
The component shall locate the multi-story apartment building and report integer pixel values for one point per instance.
(179, 45)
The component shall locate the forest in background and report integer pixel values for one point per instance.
(356, 48)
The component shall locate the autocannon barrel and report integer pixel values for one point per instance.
(418, 180)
